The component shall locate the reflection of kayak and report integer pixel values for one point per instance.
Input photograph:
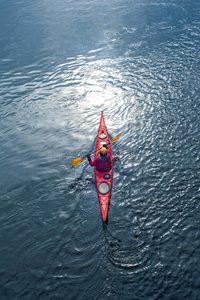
(103, 179)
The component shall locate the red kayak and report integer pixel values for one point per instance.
(103, 179)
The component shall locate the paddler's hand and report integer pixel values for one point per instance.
(88, 157)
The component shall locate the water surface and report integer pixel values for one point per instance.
(61, 64)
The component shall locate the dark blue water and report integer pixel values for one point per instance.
(61, 63)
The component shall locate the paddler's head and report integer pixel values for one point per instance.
(103, 151)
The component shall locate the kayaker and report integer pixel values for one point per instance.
(103, 161)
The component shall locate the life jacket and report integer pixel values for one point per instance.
(103, 160)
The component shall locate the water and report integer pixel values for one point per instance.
(61, 63)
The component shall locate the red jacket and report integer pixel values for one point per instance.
(99, 165)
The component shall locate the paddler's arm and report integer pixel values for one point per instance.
(109, 158)
(92, 163)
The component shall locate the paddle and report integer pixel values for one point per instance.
(77, 161)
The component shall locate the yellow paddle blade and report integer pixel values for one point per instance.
(76, 161)
(115, 139)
